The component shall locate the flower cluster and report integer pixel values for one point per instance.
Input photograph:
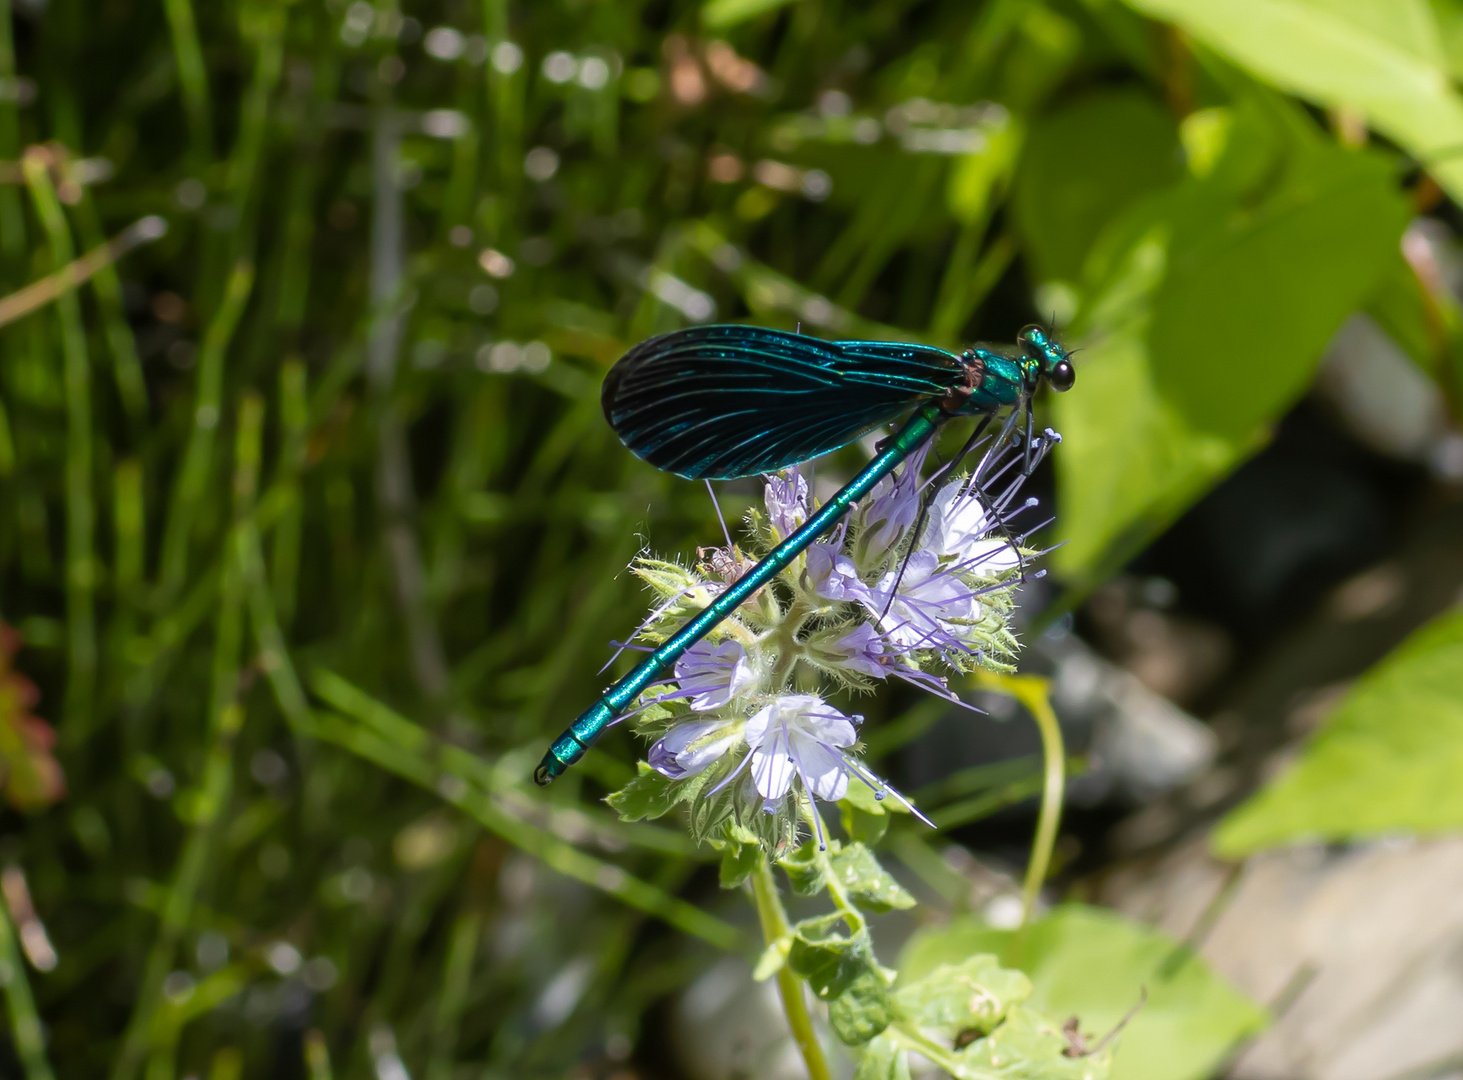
(916, 583)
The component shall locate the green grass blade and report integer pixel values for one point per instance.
(25, 1023)
(81, 570)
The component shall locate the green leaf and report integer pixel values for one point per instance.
(650, 795)
(1449, 14)
(1140, 463)
(860, 825)
(1095, 964)
(1254, 292)
(977, 179)
(829, 962)
(863, 1010)
(867, 882)
(1128, 146)
(1208, 308)
(1382, 57)
(740, 857)
(882, 1060)
(804, 869)
(972, 995)
(1029, 1046)
(721, 14)
(1397, 306)
(1389, 759)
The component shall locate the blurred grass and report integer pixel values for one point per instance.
(308, 513)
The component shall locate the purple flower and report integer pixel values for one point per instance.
(689, 748)
(786, 496)
(833, 574)
(862, 650)
(711, 675)
(799, 736)
(959, 528)
(892, 509)
(927, 607)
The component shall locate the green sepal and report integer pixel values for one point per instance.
(775, 831)
(741, 853)
(685, 594)
(957, 999)
(863, 1010)
(709, 817)
(804, 869)
(867, 882)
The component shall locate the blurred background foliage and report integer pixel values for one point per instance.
(311, 532)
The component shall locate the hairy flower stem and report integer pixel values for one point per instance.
(789, 987)
(788, 649)
(1035, 693)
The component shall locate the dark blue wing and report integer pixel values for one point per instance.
(718, 402)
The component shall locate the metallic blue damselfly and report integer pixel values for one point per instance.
(719, 402)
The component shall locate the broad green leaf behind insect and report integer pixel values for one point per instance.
(1385, 58)
(1207, 308)
(1083, 165)
(1387, 761)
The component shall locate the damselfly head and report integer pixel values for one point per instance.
(1053, 363)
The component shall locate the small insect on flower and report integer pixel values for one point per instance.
(914, 587)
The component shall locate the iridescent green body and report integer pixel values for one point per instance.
(1002, 382)
(677, 400)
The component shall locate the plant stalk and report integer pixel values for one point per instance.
(1035, 694)
(81, 573)
(789, 987)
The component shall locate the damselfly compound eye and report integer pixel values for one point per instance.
(1062, 377)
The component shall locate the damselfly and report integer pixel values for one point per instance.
(719, 402)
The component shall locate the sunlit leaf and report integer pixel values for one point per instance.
(1083, 165)
(1096, 965)
(1385, 58)
(1388, 760)
(1208, 308)
(868, 883)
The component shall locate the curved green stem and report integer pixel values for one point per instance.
(1035, 694)
(789, 987)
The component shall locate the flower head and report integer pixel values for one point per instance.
(891, 510)
(786, 498)
(921, 604)
(799, 736)
(711, 675)
(900, 593)
(961, 528)
(689, 748)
